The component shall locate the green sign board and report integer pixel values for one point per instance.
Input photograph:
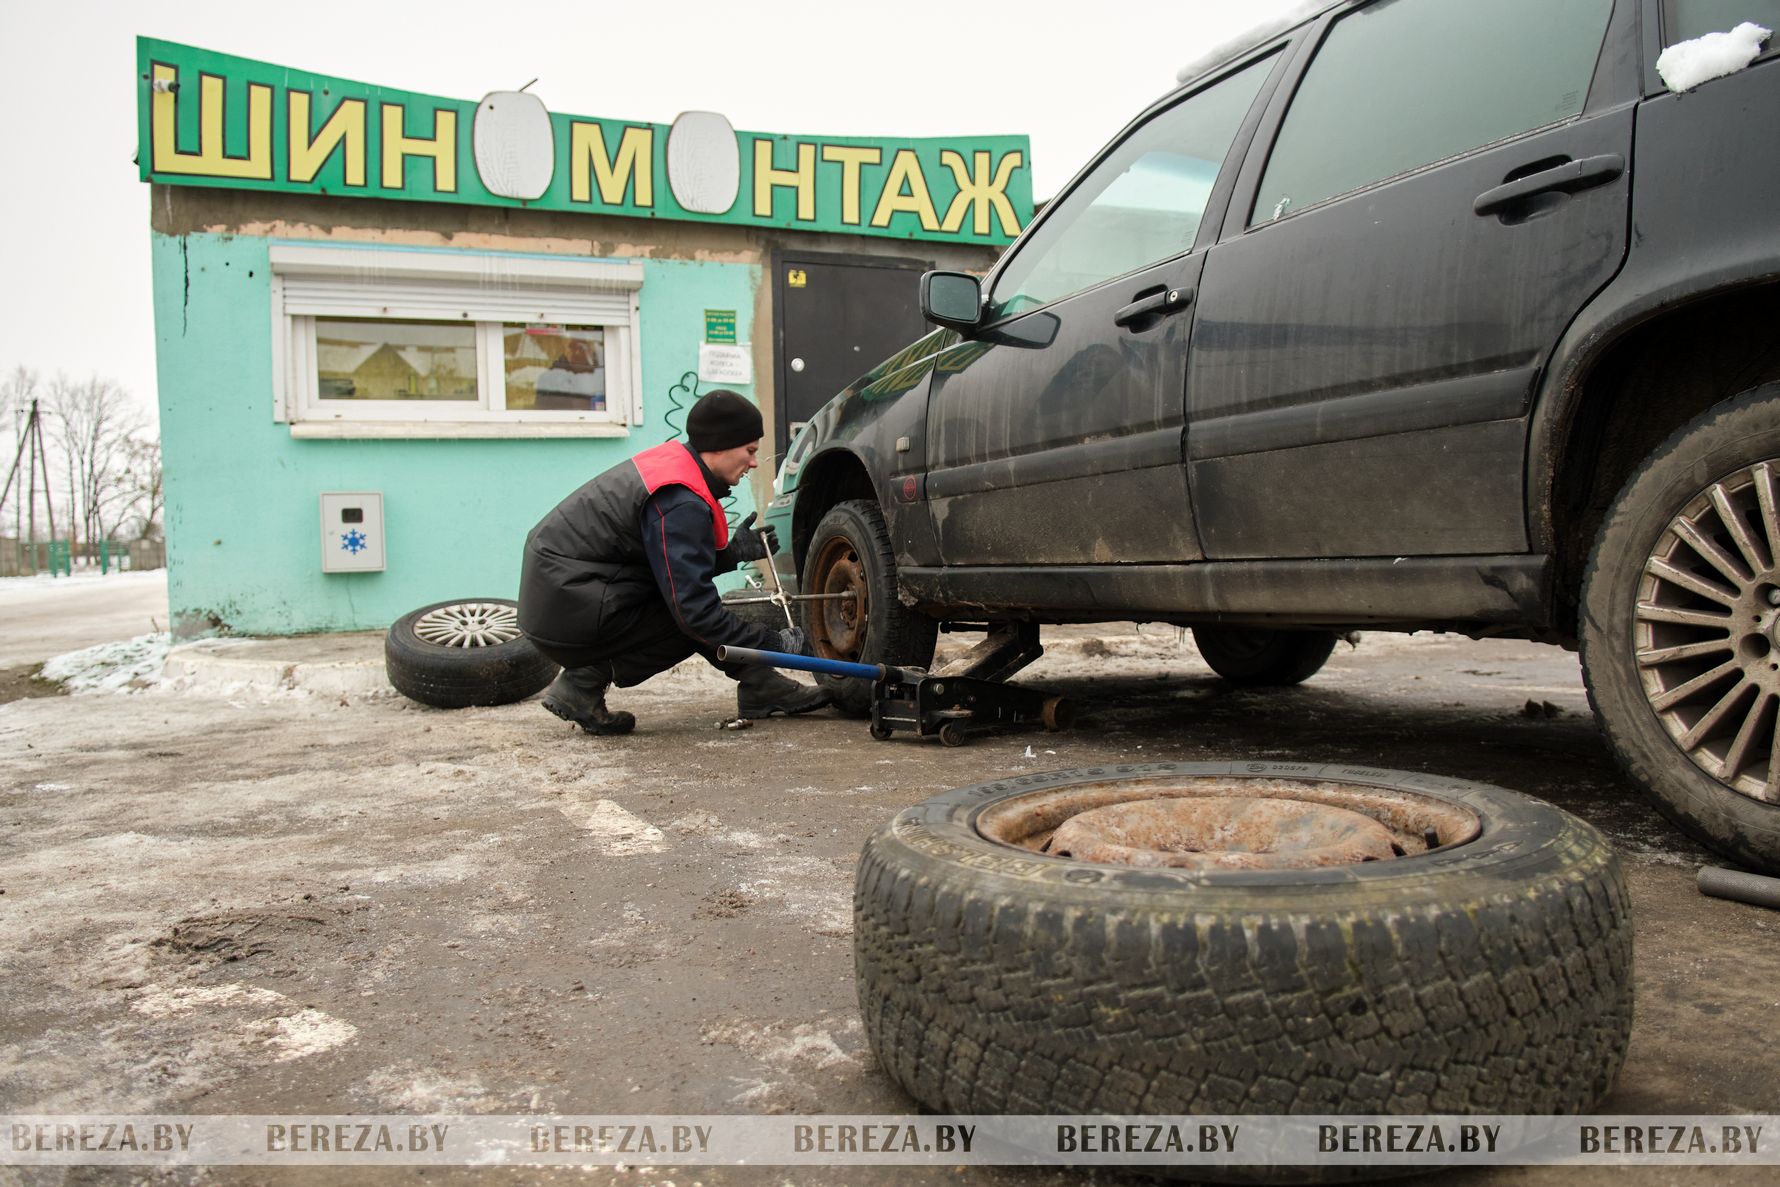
(208, 119)
(719, 325)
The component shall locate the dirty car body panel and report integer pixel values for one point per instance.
(1378, 405)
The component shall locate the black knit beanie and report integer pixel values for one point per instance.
(722, 420)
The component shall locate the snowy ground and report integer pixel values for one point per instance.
(279, 902)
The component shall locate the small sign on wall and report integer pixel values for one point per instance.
(720, 325)
(726, 363)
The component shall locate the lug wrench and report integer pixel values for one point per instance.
(772, 572)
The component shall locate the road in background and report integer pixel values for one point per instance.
(41, 617)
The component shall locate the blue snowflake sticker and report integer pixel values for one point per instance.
(354, 542)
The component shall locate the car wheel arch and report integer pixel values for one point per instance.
(1598, 418)
(828, 478)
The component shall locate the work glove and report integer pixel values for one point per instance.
(792, 641)
(749, 543)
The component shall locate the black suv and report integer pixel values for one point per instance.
(1421, 314)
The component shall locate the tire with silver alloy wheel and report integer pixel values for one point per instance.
(1246, 937)
(452, 655)
(1681, 628)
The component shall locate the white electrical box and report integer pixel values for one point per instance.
(352, 532)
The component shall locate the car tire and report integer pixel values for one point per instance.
(850, 552)
(1492, 975)
(1667, 563)
(469, 651)
(1259, 657)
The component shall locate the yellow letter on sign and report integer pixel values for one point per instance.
(802, 179)
(850, 160)
(589, 164)
(398, 146)
(347, 125)
(210, 160)
(905, 189)
(979, 194)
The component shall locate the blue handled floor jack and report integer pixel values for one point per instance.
(969, 695)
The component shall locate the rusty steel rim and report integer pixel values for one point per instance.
(840, 618)
(1217, 822)
(1707, 633)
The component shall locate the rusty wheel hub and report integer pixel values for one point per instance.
(840, 621)
(1215, 823)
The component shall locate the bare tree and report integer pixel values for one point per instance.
(94, 426)
(141, 500)
(17, 390)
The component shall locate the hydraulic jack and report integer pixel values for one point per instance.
(967, 696)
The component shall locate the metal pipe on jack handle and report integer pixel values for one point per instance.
(1741, 887)
(809, 663)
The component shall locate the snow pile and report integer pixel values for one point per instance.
(1687, 64)
(111, 667)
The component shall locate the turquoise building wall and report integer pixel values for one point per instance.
(243, 516)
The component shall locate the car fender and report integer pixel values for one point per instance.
(869, 441)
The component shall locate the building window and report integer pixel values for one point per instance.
(375, 342)
(394, 360)
(555, 368)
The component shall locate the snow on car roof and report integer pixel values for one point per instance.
(1252, 37)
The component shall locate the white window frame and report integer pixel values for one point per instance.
(486, 290)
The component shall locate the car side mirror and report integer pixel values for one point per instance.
(951, 299)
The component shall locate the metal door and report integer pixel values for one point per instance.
(835, 320)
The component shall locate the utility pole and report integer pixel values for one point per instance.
(31, 445)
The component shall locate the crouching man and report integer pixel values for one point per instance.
(618, 581)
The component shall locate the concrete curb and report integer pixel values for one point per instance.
(226, 666)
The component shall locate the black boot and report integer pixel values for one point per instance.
(762, 692)
(579, 695)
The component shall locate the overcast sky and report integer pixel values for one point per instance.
(75, 227)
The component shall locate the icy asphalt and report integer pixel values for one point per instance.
(292, 893)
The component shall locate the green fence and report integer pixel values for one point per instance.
(23, 558)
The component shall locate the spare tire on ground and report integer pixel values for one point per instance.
(1464, 950)
(470, 651)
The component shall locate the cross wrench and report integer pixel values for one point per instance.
(784, 603)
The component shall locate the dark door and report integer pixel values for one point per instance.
(836, 320)
(1437, 206)
(1054, 436)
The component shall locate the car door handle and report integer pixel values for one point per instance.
(1569, 177)
(1159, 303)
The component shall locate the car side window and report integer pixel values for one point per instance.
(1403, 83)
(1140, 205)
(1684, 20)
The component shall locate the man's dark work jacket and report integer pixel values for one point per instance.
(648, 528)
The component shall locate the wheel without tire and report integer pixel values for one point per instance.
(850, 554)
(1258, 657)
(1489, 970)
(468, 652)
(1681, 628)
